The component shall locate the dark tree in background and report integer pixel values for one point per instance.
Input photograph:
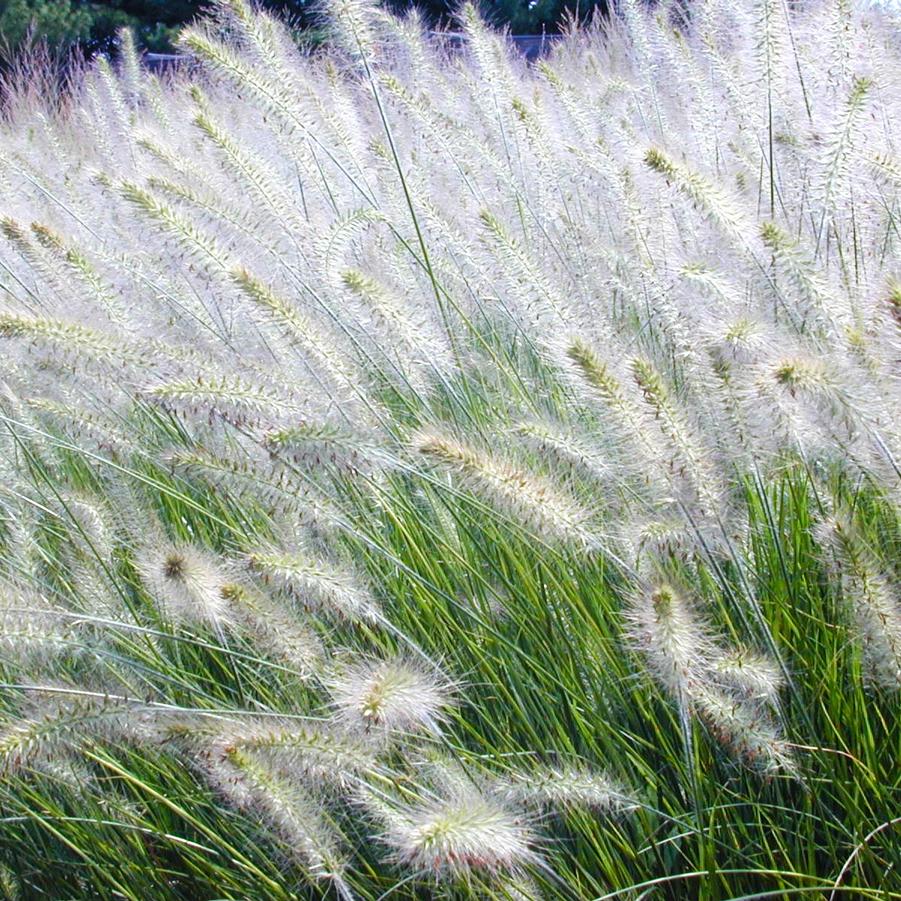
(521, 16)
(92, 24)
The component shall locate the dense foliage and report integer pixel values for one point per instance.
(425, 475)
(93, 25)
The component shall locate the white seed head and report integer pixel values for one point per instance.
(674, 641)
(452, 838)
(750, 673)
(744, 729)
(275, 628)
(391, 696)
(58, 723)
(315, 583)
(568, 787)
(289, 809)
(184, 581)
(872, 597)
(541, 506)
(32, 632)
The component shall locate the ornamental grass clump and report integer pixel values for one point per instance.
(426, 473)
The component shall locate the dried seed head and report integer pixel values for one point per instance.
(541, 506)
(392, 696)
(744, 729)
(452, 838)
(565, 787)
(184, 581)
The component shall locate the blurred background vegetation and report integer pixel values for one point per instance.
(92, 25)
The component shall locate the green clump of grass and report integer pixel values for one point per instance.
(488, 491)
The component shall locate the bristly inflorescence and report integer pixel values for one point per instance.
(427, 472)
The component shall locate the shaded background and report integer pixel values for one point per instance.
(92, 25)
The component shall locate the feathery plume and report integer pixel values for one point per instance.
(876, 609)
(318, 584)
(454, 837)
(274, 628)
(57, 725)
(390, 696)
(184, 581)
(539, 505)
(753, 675)
(568, 787)
(748, 733)
(313, 750)
(675, 643)
(289, 809)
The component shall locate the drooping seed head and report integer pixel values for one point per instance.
(185, 581)
(567, 787)
(751, 674)
(391, 696)
(744, 729)
(316, 583)
(455, 837)
(872, 597)
(537, 503)
(670, 635)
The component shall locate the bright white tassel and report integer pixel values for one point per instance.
(672, 638)
(455, 835)
(536, 503)
(874, 603)
(185, 582)
(568, 787)
(391, 696)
